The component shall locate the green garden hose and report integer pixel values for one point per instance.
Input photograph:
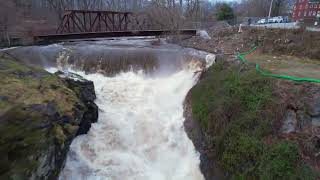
(242, 57)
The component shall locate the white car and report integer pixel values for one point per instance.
(262, 21)
(277, 19)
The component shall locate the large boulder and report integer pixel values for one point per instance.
(40, 115)
(84, 89)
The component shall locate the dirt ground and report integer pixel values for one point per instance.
(228, 40)
(285, 52)
(286, 65)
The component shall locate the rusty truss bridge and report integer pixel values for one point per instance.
(84, 24)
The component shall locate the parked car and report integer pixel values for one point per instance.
(286, 19)
(262, 21)
(278, 19)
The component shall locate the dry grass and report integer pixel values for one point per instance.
(287, 65)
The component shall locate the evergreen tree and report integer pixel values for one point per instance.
(224, 12)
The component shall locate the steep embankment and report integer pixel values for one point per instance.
(252, 127)
(40, 114)
(247, 126)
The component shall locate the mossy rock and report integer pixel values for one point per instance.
(39, 117)
(28, 85)
(21, 141)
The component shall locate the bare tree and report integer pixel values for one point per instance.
(7, 18)
(43, 16)
(260, 8)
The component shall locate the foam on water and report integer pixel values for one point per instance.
(139, 134)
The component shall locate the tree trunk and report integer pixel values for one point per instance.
(7, 37)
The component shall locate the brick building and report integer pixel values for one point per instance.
(306, 10)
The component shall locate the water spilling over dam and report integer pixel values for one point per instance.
(140, 87)
(110, 57)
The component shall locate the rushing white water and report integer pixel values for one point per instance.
(139, 134)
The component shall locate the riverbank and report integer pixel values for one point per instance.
(249, 126)
(138, 134)
(41, 113)
(243, 124)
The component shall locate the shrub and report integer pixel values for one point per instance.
(225, 94)
(224, 12)
(281, 161)
(241, 154)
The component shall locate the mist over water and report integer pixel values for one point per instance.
(140, 91)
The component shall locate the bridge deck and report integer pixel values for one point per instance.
(88, 35)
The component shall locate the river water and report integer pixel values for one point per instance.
(139, 134)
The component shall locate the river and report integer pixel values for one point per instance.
(139, 134)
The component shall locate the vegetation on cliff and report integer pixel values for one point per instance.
(238, 112)
(39, 117)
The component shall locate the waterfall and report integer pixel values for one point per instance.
(139, 134)
(140, 91)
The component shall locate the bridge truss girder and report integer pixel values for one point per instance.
(77, 21)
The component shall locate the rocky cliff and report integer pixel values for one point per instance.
(40, 115)
(247, 126)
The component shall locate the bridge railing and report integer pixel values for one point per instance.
(75, 21)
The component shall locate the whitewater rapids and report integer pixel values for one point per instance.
(139, 134)
(140, 86)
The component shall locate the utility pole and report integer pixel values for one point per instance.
(270, 9)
